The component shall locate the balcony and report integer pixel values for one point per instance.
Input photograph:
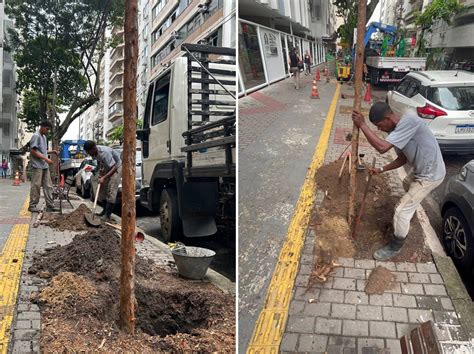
(116, 82)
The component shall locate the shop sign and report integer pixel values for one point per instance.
(270, 42)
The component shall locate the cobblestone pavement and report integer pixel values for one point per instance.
(338, 317)
(278, 131)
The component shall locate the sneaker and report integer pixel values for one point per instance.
(390, 250)
(52, 209)
(33, 210)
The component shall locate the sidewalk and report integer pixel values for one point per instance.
(341, 318)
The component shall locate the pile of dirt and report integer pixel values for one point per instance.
(74, 221)
(380, 279)
(80, 305)
(333, 238)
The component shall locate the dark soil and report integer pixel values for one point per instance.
(74, 221)
(80, 305)
(380, 279)
(333, 237)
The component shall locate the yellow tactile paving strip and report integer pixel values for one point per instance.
(11, 262)
(271, 323)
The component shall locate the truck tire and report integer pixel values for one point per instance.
(169, 216)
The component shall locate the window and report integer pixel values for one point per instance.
(459, 98)
(160, 100)
(215, 39)
(413, 88)
(158, 7)
(403, 86)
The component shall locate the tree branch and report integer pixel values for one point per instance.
(81, 104)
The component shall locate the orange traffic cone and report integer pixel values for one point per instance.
(16, 181)
(318, 75)
(314, 90)
(368, 95)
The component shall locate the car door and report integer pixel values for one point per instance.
(397, 96)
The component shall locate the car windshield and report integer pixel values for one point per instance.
(460, 98)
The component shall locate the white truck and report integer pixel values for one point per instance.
(391, 70)
(188, 143)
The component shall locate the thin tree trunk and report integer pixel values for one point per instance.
(357, 104)
(127, 275)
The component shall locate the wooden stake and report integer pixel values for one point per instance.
(362, 204)
(127, 274)
(342, 167)
(361, 20)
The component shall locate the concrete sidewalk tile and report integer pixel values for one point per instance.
(304, 294)
(382, 329)
(447, 303)
(21, 347)
(420, 278)
(395, 314)
(457, 333)
(331, 295)
(435, 289)
(344, 284)
(394, 288)
(419, 316)
(445, 317)
(302, 280)
(406, 267)
(365, 263)
(318, 309)
(296, 307)
(436, 279)
(25, 334)
(381, 300)
(355, 328)
(426, 268)
(354, 273)
(442, 332)
(307, 259)
(404, 300)
(361, 285)
(389, 265)
(369, 312)
(401, 277)
(305, 269)
(289, 342)
(369, 343)
(23, 324)
(328, 326)
(429, 302)
(300, 324)
(393, 345)
(413, 289)
(343, 311)
(339, 271)
(346, 262)
(356, 298)
(404, 329)
(312, 343)
(342, 340)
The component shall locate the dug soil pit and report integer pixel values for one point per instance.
(80, 306)
(74, 221)
(333, 238)
(380, 279)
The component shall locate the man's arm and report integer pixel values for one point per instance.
(39, 155)
(381, 145)
(398, 162)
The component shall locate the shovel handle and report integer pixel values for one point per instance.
(95, 199)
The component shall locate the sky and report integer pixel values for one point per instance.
(376, 14)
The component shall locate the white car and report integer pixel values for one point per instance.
(83, 176)
(445, 100)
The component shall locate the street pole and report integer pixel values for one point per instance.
(127, 274)
(359, 67)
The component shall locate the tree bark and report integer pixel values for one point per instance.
(361, 15)
(127, 274)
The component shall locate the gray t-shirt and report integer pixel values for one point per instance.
(39, 143)
(107, 157)
(418, 144)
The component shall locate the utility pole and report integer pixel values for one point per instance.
(359, 68)
(127, 274)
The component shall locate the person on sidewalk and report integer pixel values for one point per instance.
(414, 143)
(307, 63)
(295, 67)
(110, 174)
(4, 168)
(40, 162)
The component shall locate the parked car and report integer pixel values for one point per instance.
(445, 100)
(83, 176)
(457, 209)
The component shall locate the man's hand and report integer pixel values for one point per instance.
(48, 161)
(358, 119)
(374, 171)
(102, 180)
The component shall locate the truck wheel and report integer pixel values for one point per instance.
(169, 215)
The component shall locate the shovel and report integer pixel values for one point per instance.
(91, 218)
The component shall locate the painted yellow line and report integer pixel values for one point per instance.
(271, 323)
(11, 263)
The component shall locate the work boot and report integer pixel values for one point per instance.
(33, 209)
(102, 213)
(109, 207)
(52, 209)
(390, 250)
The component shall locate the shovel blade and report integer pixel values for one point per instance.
(92, 220)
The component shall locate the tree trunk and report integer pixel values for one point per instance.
(127, 275)
(357, 104)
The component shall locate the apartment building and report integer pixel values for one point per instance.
(143, 68)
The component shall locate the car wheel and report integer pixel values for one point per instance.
(78, 190)
(458, 239)
(169, 216)
(84, 191)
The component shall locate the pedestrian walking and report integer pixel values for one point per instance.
(307, 63)
(414, 144)
(4, 168)
(110, 175)
(40, 162)
(295, 66)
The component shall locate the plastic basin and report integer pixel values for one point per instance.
(192, 262)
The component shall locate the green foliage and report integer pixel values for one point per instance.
(438, 10)
(30, 110)
(117, 133)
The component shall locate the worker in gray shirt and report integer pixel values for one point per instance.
(414, 144)
(110, 174)
(40, 162)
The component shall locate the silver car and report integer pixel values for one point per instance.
(83, 177)
(457, 209)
